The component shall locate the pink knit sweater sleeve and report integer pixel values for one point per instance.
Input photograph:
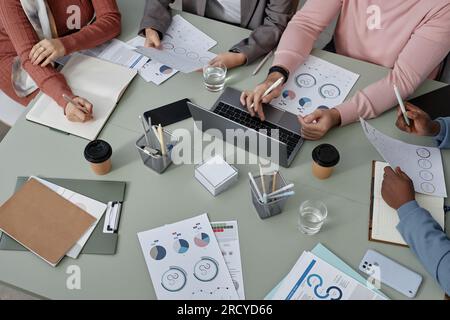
(303, 30)
(426, 49)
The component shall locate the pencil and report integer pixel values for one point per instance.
(161, 140)
(262, 63)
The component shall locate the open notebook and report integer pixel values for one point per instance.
(384, 219)
(99, 81)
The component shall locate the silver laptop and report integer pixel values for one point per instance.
(278, 136)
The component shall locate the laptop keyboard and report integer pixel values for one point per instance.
(245, 119)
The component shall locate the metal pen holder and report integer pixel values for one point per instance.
(271, 208)
(158, 163)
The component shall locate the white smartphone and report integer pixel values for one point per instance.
(391, 273)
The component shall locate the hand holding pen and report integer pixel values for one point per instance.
(78, 109)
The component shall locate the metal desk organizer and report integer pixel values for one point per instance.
(160, 163)
(271, 208)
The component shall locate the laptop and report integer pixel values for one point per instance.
(228, 114)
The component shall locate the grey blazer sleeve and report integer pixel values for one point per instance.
(156, 16)
(265, 38)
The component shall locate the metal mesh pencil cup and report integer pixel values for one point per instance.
(160, 163)
(271, 208)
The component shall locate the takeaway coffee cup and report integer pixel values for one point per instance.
(98, 153)
(325, 157)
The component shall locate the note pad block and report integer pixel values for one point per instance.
(216, 175)
(43, 221)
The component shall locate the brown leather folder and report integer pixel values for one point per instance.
(43, 221)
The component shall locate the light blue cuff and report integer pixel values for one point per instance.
(407, 209)
(443, 132)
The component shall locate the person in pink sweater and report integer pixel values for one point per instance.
(411, 37)
(18, 38)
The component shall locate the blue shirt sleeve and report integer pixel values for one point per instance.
(443, 138)
(427, 240)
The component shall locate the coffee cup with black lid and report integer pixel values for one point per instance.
(325, 159)
(98, 153)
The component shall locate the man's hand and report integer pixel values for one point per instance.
(47, 51)
(318, 123)
(248, 98)
(81, 112)
(152, 39)
(397, 189)
(421, 123)
(229, 59)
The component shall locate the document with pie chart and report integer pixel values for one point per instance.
(317, 84)
(422, 164)
(185, 262)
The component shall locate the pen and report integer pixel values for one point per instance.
(252, 180)
(283, 195)
(262, 63)
(274, 181)
(145, 131)
(161, 139)
(402, 105)
(286, 188)
(76, 104)
(271, 88)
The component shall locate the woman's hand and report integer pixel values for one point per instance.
(397, 189)
(47, 51)
(79, 112)
(229, 59)
(152, 39)
(318, 123)
(255, 98)
(421, 123)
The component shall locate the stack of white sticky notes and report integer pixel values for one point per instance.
(216, 175)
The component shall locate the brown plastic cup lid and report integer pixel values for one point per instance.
(98, 151)
(326, 155)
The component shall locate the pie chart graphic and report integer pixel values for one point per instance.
(202, 240)
(289, 94)
(181, 246)
(305, 102)
(165, 70)
(158, 253)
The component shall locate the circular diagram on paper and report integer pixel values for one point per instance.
(426, 175)
(192, 55)
(305, 80)
(323, 108)
(165, 70)
(425, 164)
(168, 46)
(289, 94)
(428, 187)
(329, 91)
(202, 240)
(179, 50)
(158, 253)
(206, 269)
(423, 153)
(181, 246)
(204, 60)
(174, 279)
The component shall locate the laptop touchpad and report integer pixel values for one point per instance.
(273, 115)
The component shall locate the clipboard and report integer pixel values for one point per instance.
(99, 243)
(372, 197)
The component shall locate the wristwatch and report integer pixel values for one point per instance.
(281, 70)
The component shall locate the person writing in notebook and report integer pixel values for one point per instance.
(411, 37)
(422, 233)
(267, 19)
(34, 33)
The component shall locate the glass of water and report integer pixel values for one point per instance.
(214, 76)
(312, 216)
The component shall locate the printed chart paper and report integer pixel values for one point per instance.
(185, 262)
(422, 164)
(317, 84)
(91, 206)
(228, 237)
(184, 47)
(314, 279)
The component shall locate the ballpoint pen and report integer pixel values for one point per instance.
(262, 63)
(271, 88)
(402, 105)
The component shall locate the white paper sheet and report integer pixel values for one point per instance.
(91, 206)
(316, 84)
(314, 279)
(385, 219)
(422, 164)
(185, 262)
(184, 47)
(118, 52)
(228, 237)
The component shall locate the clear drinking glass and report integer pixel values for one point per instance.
(312, 216)
(214, 76)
